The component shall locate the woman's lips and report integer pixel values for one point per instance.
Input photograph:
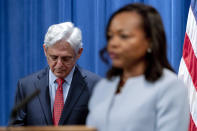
(113, 55)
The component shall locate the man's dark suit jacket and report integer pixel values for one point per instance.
(38, 110)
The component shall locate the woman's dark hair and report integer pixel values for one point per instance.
(154, 31)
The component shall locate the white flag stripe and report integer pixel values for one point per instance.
(185, 76)
(191, 30)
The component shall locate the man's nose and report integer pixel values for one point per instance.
(59, 62)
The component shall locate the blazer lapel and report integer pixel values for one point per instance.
(43, 86)
(77, 87)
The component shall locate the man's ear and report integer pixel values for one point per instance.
(45, 50)
(79, 53)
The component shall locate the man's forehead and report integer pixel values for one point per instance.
(60, 51)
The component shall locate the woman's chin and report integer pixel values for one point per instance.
(117, 65)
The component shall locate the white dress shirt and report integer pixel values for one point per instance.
(53, 86)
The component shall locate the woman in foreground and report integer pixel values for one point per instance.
(141, 91)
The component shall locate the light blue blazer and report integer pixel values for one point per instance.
(141, 105)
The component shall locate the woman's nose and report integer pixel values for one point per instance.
(113, 42)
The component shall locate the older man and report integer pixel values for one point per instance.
(64, 87)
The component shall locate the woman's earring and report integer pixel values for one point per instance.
(149, 50)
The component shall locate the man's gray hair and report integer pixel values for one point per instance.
(64, 31)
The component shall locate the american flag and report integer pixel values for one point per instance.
(188, 65)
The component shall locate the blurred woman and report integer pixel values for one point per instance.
(141, 91)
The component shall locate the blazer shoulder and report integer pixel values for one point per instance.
(36, 75)
(89, 77)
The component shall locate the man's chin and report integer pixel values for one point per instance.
(60, 75)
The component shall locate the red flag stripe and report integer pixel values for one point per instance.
(190, 60)
(192, 126)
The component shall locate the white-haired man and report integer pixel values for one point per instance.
(64, 87)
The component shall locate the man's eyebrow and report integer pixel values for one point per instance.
(66, 56)
(52, 55)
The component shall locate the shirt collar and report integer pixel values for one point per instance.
(68, 78)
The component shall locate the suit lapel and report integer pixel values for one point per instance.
(77, 87)
(43, 86)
